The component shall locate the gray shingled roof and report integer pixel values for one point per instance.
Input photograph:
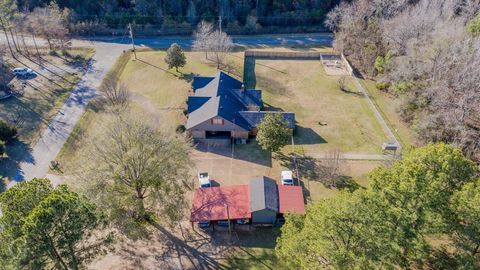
(263, 194)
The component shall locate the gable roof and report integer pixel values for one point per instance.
(215, 98)
(263, 194)
(222, 96)
(199, 82)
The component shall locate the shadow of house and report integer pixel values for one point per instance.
(303, 135)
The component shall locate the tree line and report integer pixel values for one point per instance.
(235, 13)
(421, 213)
(426, 54)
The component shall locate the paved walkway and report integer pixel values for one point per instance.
(58, 131)
(347, 156)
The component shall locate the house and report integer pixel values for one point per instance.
(262, 201)
(222, 108)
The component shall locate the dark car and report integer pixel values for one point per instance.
(204, 224)
(223, 223)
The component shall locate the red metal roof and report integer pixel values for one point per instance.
(290, 199)
(209, 203)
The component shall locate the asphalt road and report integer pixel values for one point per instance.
(253, 41)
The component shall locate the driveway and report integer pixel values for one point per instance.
(226, 169)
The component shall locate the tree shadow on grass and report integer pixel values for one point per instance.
(199, 259)
(188, 77)
(347, 183)
(17, 152)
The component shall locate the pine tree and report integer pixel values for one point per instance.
(175, 57)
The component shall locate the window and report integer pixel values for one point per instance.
(217, 121)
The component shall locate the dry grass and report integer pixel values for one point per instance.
(388, 106)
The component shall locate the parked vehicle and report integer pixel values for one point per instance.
(243, 221)
(204, 224)
(287, 178)
(204, 180)
(223, 223)
(23, 72)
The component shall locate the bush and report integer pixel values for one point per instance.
(382, 86)
(7, 133)
(180, 129)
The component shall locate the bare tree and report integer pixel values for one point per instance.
(50, 23)
(115, 95)
(333, 163)
(202, 37)
(142, 170)
(220, 44)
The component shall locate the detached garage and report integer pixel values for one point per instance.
(262, 201)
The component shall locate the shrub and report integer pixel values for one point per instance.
(7, 133)
(381, 86)
(180, 129)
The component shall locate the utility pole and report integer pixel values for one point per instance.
(220, 23)
(130, 31)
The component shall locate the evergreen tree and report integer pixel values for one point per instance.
(175, 57)
(45, 227)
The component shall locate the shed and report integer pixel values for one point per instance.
(263, 200)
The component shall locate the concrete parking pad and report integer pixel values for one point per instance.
(226, 168)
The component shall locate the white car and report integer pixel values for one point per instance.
(287, 178)
(204, 180)
(23, 71)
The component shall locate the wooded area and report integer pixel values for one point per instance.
(426, 53)
(246, 16)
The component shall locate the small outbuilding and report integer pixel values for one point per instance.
(263, 200)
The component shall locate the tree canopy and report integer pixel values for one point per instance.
(45, 227)
(273, 132)
(175, 57)
(388, 225)
(138, 170)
